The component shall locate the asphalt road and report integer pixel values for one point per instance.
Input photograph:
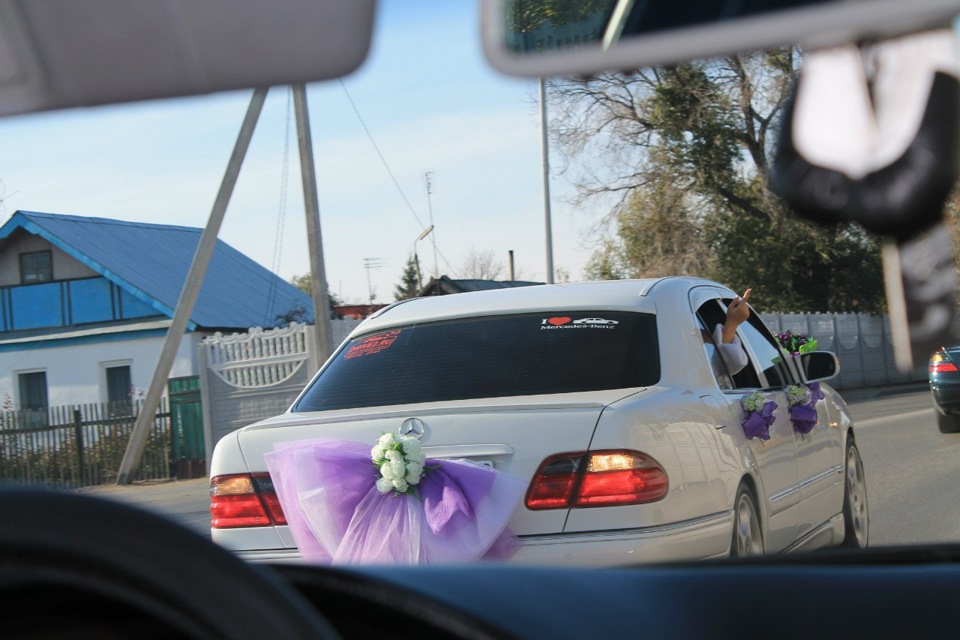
(912, 470)
(184, 501)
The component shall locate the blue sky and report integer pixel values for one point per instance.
(431, 103)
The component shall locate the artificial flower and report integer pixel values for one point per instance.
(796, 343)
(758, 415)
(399, 461)
(797, 395)
(753, 401)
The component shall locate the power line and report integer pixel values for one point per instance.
(281, 212)
(380, 154)
(386, 166)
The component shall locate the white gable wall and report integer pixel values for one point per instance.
(76, 373)
(64, 266)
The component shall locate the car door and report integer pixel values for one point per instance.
(818, 453)
(776, 458)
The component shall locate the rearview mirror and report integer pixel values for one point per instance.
(819, 365)
(566, 37)
(56, 53)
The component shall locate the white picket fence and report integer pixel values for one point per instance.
(245, 377)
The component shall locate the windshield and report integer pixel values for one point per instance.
(436, 177)
(493, 357)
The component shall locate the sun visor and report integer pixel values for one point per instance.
(56, 54)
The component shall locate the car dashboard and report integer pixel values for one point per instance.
(78, 566)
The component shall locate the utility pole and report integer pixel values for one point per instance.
(189, 294)
(368, 264)
(545, 162)
(318, 277)
(416, 258)
(433, 240)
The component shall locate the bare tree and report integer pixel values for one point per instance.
(681, 156)
(480, 265)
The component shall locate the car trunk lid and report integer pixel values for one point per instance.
(511, 435)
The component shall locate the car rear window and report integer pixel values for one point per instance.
(490, 357)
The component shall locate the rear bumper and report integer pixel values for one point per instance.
(700, 539)
(946, 394)
(703, 538)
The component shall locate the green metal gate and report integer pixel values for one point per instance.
(188, 455)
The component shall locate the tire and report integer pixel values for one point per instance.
(948, 423)
(856, 516)
(747, 533)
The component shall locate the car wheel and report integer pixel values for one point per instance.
(856, 517)
(948, 423)
(747, 535)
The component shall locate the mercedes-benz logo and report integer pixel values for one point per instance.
(412, 427)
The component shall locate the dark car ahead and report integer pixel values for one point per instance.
(944, 374)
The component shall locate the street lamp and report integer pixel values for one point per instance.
(416, 260)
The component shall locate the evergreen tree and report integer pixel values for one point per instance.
(408, 287)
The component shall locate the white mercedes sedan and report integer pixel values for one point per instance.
(608, 401)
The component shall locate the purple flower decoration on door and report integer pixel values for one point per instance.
(803, 406)
(758, 415)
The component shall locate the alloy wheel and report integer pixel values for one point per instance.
(747, 536)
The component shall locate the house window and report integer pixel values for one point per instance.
(33, 397)
(35, 267)
(118, 386)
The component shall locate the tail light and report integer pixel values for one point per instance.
(244, 500)
(597, 479)
(941, 363)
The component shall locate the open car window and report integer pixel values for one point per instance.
(766, 368)
(764, 352)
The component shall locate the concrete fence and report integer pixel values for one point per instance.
(862, 343)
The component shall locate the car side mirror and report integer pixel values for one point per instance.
(819, 365)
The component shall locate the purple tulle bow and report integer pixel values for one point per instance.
(816, 393)
(804, 416)
(336, 514)
(757, 423)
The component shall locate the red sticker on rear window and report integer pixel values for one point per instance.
(373, 344)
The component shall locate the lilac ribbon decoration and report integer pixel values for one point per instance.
(448, 493)
(757, 423)
(327, 489)
(804, 417)
(816, 393)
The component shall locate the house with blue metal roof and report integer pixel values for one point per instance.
(85, 304)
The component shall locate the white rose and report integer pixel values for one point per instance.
(413, 472)
(384, 485)
(400, 485)
(386, 470)
(393, 455)
(411, 446)
(376, 453)
(397, 468)
(386, 440)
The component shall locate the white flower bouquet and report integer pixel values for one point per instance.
(797, 395)
(399, 462)
(753, 402)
